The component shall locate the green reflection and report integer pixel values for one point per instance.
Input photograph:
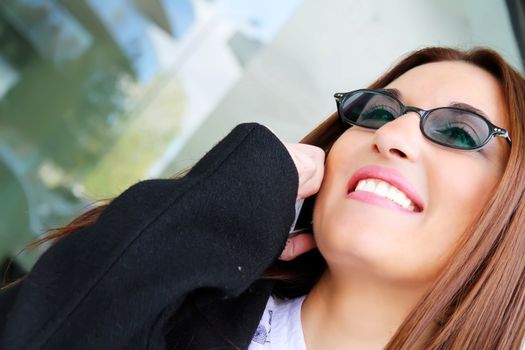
(75, 123)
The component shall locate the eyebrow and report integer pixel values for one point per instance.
(468, 107)
(394, 92)
(461, 105)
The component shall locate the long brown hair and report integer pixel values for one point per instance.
(478, 299)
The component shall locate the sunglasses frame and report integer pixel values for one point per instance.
(423, 114)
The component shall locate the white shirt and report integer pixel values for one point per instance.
(280, 326)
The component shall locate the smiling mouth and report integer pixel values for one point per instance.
(386, 187)
(385, 190)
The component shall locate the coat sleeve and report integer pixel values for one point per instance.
(218, 227)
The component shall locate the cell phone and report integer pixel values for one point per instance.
(303, 216)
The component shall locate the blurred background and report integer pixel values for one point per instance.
(96, 95)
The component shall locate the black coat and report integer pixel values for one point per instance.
(170, 264)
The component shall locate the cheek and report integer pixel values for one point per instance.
(458, 194)
(465, 185)
(332, 217)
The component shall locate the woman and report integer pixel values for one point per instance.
(418, 224)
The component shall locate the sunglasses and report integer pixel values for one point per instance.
(447, 126)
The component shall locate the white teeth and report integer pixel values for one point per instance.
(369, 186)
(384, 189)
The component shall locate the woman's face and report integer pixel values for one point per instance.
(374, 235)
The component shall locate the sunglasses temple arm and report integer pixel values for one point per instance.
(503, 133)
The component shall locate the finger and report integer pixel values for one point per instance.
(310, 161)
(313, 184)
(307, 177)
(298, 245)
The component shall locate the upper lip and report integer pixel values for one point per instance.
(389, 175)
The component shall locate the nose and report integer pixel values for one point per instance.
(400, 138)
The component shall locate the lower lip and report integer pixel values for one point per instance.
(371, 198)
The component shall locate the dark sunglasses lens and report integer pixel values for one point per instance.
(456, 128)
(368, 109)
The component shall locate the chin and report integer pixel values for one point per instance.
(375, 251)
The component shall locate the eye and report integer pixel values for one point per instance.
(376, 116)
(457, 135)
(456, 128)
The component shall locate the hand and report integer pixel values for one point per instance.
(309, 161)
(297, 245)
